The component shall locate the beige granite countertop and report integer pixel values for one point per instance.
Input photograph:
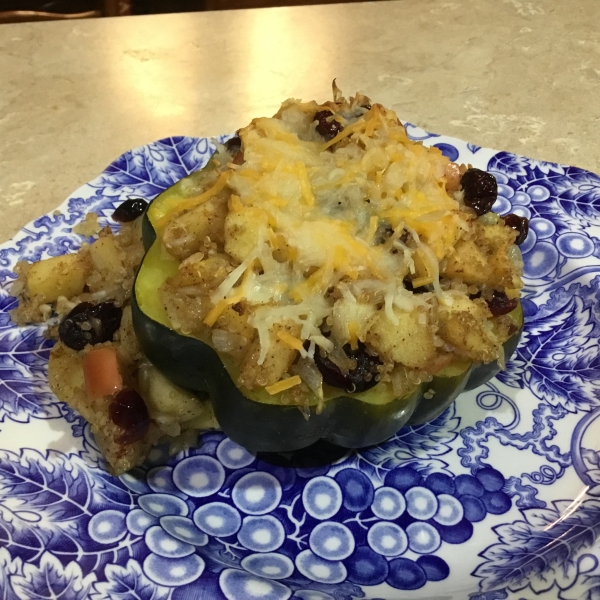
(508, 74)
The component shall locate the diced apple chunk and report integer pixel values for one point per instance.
(242, 230)
(204, 273)
(484, 258)
(186, 234)
(234, 319)
(468, 264)
(165, 399)
(351, 320)
(57, 276)
(465, 324)
(410, 342)
(105, 255)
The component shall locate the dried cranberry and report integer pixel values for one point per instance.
(360, 379)
(480, 190)
(130, 210)
(501, 304)
(234, 144)
(520, 225)
(327, 126)
(129, 412)
(90, 323)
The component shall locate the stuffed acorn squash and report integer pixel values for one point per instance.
(322, 277)
(326, 277)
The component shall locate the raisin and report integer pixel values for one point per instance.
(520, 225)
(90, 323)
(234, 145)
(128, 411)
(480, 190)
(327, 126)
(501, 304)
(360, 379)
(130, 210)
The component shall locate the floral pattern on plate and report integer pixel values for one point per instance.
(497, 498)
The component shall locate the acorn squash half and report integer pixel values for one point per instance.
(262, 423)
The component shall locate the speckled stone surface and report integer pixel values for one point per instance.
(507, 74)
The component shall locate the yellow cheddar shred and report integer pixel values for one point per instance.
(372, 229)
(290, 340)
(283, 384)
(216, 311)
(189, 203)
(373, 121)
(344, 133)
(421, 281)
(221, 305)
(307, 193)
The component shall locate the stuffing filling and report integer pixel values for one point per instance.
(326, 242)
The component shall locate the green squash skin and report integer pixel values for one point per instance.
(148, 233)
(345, 421)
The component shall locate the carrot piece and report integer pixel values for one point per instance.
(101, 373)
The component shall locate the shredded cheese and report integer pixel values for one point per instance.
(372, 229)
(238, 295)
(346, 132)
(373, 121)
(216, 312)
(307, 193)
(421, 281)
(303, 221)
(189, 203)
(290, 340)
(223, 290)
(283, 384)
(432, 267)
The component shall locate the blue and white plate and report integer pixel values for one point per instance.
(497, 498)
